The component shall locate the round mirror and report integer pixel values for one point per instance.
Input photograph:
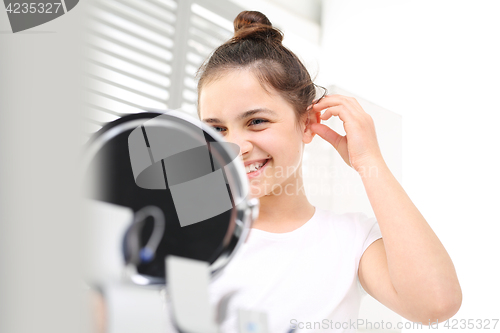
(186, 186)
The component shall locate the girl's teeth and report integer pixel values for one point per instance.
(254, 167)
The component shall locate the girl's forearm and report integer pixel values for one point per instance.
(420, 269)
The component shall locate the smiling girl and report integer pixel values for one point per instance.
(302, 264)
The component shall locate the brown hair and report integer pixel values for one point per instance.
(257, 45)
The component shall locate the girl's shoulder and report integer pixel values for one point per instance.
(352, 225)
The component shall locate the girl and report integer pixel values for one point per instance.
(302, 265)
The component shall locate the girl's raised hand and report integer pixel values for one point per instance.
(359, 147)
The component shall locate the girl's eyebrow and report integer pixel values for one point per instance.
(244, 115)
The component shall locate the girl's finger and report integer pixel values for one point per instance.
(328, 101)
(331, 111)
(334, 139)
(328, 134)
(341, 111)
(349, 104)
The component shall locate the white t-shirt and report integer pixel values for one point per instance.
(306, 278)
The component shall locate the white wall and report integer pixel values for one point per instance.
(437, 64)
(40, 109)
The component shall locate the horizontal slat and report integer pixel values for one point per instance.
(159, 13)
(195, 59)
(126, 64)
(189, 95)
(111, 106)
(127, 102)
(121, 37)
(191, 91)
(205, 37)
(142, 92)
(160, 26)
(224, 23)
(190, 82)
(226, 9)
(189, 108)
(215, 30)
(163, 4)
(191, 70)
(124, 93)
(103, 42)
(199, 48)
(96, 67)
(134, 29)
(208, 47)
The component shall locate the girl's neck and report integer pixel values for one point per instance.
(284, 211)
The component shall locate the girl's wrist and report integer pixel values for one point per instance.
(371, 167)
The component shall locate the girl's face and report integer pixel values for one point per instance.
(262, 124)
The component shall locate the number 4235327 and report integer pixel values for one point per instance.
(485, 324)
(41, 8)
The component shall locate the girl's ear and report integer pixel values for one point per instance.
(310, 117)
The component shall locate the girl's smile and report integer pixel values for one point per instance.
(254, 169)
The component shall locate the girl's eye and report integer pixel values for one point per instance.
(258, 121)
(253, 122)
(219, 129)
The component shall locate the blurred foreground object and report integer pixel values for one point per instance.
(161, 186)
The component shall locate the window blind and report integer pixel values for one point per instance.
(144, 54)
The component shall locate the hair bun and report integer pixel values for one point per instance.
(255, 25)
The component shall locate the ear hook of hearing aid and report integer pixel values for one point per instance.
(147, 253)
(316, 101)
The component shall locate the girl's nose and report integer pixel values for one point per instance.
(245, 148)
(242, 142)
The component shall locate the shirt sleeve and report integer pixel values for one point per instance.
(368, 232)
(372, 235)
